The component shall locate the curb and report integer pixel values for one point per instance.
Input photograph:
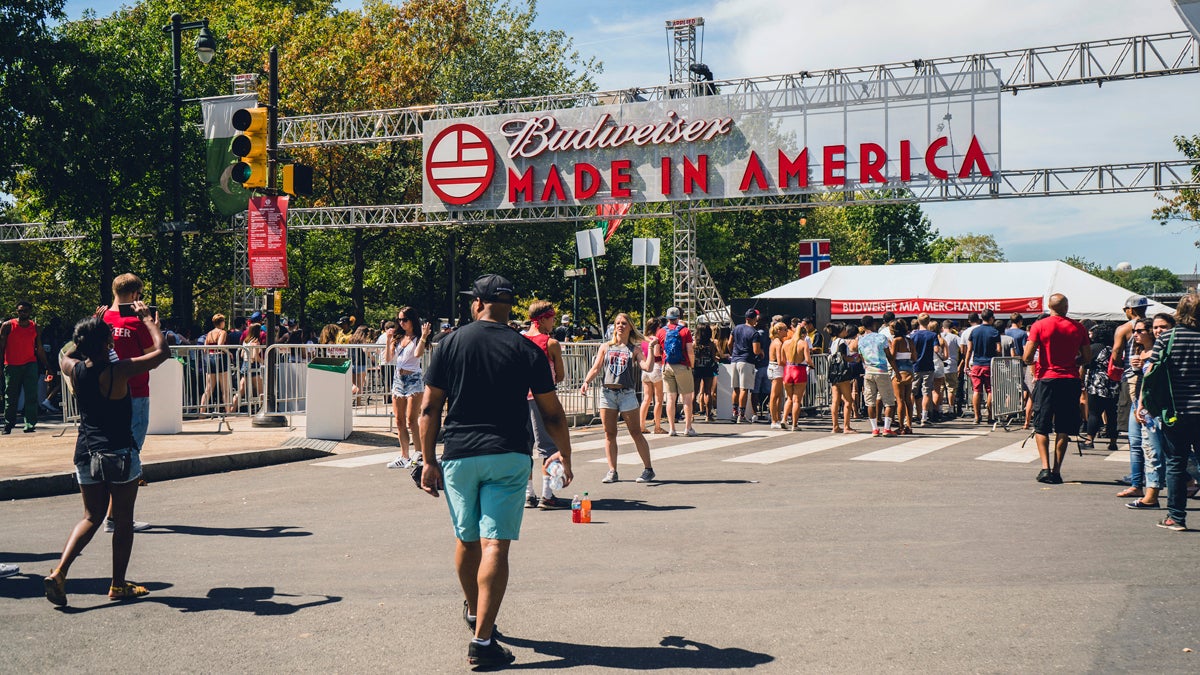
(54, 484)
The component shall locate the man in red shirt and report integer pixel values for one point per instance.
(678, 357)
(1063, 346)
(21, 344)
(131, 339)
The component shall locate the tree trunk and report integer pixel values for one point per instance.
(360, 265)
(106, 256)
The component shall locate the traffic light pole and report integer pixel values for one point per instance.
(265, 417)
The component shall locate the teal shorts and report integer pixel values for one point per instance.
(486, 495)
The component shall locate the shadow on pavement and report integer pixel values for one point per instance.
(255, 599)
(264, 532)
(673, 652)
(658, 482)
(17, 558)
(634, 505)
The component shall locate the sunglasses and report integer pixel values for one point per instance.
(1140, 330)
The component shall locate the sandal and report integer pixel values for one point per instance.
(848, 430)
(126, 591)
(56, 588)
(1130, 492)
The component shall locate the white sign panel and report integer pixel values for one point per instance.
(904, 132)
(645, 252)
(589, 242)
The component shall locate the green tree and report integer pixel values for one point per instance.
(1146, 280)
(1184, 205)
(968, 247)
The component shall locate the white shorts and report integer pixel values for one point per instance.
(743, 375)
(774, 371)
(654, 375)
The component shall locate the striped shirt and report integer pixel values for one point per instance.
(1184, 366)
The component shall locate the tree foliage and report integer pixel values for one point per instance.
(1146, 280)
(1184, 205)
(967, 248)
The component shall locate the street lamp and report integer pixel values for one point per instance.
(206, 46)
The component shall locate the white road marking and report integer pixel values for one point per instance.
(1013, 453)
(921, 446)
(695, 446)
(798, 449)
(365, 460)
(1118, 456)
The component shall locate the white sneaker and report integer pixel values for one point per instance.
(672, 433)
(7, 570)
(776, 425)
(400, 463)
(138, 526)
(690, 432)
(753, 419)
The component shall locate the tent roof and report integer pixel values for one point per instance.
(1090, 297)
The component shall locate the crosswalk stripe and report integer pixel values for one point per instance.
(1118, 456)
(1013, 453)
(797, 449)
(695, 446)
(921, 446)
(365, 460)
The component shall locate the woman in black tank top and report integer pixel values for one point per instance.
(106, 459)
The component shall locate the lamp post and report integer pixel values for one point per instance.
(206, 46)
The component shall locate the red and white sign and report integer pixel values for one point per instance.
(806, 139)
(934, 306)
(266, 232)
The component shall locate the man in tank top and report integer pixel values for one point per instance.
(21, 344)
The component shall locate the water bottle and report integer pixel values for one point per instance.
(1151, 423)
(585, 509)
(555, 471)
(576, 510)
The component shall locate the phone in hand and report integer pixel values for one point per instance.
(126, 309)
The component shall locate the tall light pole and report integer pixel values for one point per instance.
(206, 46)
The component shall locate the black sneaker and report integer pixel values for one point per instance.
(467, 617)
(490, 655)
(1056, 478)
(531, 501)
(1044, 476)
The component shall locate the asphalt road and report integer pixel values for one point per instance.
(827, 559)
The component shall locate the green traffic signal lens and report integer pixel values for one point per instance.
(241, 172)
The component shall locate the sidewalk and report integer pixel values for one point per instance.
(39, 464)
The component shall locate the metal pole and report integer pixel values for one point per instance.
(599, 312)
(177, 281)
(265, 418)
(644, 281)
(575, 290)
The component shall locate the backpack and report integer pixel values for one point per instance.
(1158, 396)
(839, 366)
(673, 345)
(705, 357)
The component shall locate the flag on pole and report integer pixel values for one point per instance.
(610, 217)
(814, 257)
(227, 195)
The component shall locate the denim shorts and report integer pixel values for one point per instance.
(486, 495)
(405, 386)
(621, 400)
(140, 419)
(83, 471)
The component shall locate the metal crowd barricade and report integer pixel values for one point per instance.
(371, 385)
(577, 360)
(817, 393)
(219, 380)
(1008, 402)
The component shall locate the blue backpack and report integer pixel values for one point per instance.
(673, 345)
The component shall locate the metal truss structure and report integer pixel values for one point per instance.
(1094, 62)
(1077, 63)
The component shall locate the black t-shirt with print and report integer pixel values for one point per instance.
(487, 369)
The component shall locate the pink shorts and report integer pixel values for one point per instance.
(795, 374)
(981, 378)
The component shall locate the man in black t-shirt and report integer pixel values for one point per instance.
(485, 370)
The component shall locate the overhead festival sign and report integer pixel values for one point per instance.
(905, 132)
(934, 306)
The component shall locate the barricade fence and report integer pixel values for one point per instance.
(1008, 377)
(371, 377)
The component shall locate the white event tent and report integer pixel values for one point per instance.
(952, 290)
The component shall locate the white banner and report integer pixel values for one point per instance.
(862, 135)
(646, 251)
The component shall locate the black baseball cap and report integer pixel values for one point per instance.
(752, 314)
(492, 288)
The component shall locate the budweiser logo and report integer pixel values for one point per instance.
(533, 136)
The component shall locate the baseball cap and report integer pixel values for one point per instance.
(492, 288)
(1137, 301)
(445, 326)
(343, 319)
(673, 312)
(752, 314)
(257, 316)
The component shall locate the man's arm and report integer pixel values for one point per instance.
(554, 349)
(1119, 340)
(556, 425)
(430, 424)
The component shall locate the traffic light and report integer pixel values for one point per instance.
(298, 180)
(251, 147)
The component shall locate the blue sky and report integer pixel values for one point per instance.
(1071, 126)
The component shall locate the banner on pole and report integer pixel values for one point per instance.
(228, 196)
(589, 243)
(646, 252)
(814, 257)
(610, 215)
(266, 245)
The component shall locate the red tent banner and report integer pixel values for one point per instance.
(266, 232)
(814, 257)
(612, 214)
(934, 306)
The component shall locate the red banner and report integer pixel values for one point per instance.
(934, 306)
(266, 231)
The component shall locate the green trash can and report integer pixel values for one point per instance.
(328, 399)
